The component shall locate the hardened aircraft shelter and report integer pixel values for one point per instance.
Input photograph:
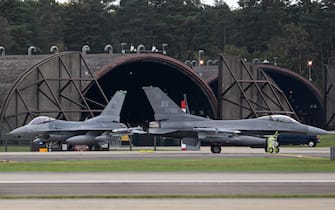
(75, 86)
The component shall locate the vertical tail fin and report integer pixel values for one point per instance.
(164, 108)
(113, 108)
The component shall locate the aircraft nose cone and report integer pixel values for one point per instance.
(18, 131)
(313, 131)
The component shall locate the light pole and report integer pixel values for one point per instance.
(309, 64)
(200, 52)
(164, 45)
(123, 45)
(275, 59)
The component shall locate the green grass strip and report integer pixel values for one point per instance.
(175, 165)
(327, 141)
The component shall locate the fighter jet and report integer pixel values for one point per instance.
(89, 132)
(171, 121)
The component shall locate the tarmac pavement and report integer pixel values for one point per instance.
(168, 204)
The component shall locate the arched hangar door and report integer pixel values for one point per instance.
(132, 72)
(303, 96)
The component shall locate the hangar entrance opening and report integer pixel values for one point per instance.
(172, 77)
(305, 99)
(302, 95)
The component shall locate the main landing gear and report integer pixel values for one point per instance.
(215, 148)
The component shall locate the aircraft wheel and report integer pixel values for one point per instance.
(311, 144)
(93, 147)
(277, 150)
(270, 150)
(216, 149)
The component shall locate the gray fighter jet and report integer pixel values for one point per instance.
(171, 121)
(89, 132)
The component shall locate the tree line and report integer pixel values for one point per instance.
(288, 32)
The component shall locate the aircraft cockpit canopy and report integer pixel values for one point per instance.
(41, 120)
(279, 118)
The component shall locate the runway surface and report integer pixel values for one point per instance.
(148, 153)
(168, 204)
(179, 183)
(167, 183)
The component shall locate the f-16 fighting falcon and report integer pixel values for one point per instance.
(171, 121)
(89, 132)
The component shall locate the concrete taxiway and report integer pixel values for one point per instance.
(165, 153)
(179, 183)
(168, 204)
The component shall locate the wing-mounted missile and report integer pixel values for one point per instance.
(128, 131)
(137, 130)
